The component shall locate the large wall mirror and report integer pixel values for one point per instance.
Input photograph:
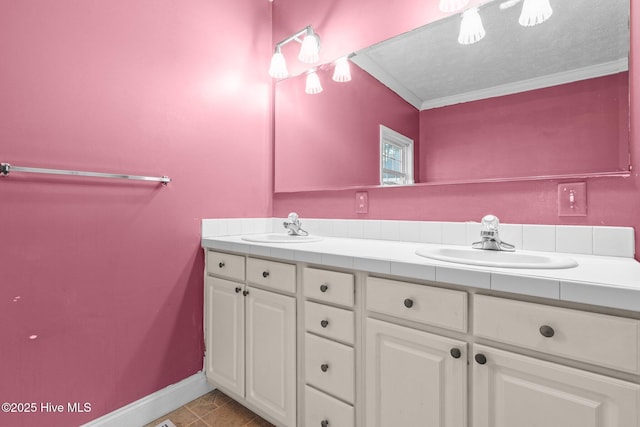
(550, 100)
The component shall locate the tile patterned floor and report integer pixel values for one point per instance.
(214, 409)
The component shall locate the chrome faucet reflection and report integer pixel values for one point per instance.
(490, 237)
(294, 226)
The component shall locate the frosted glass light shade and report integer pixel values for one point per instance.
(534, 12)
(313, 85)
(471, 29)
(309, 51)
(278, 67)
(452, 5)
(342, 71)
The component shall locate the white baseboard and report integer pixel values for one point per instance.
(155, 405)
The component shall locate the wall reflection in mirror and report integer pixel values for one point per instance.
(530, 102)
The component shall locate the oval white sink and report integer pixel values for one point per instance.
(497, 258)
(279, 238)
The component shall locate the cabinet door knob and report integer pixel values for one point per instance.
(245, 293)
(221, 264)
(481, 359)
(408, 303)
(265, 274)
(324, 423)
(323, 288)
(455, 353)
(547, 331)
(324, 367)
(324, 323)
(238, 289)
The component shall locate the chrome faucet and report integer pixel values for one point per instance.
(490, 238)
(294, 226)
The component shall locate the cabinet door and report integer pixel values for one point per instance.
(271, 354)
(413, 378)
(513, 390)
(224, 334)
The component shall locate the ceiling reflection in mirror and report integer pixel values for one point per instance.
(523, 102)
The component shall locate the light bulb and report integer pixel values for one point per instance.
(309, 51)
(534, 12)
(278, 67)
(342, 71)
(471, 29)
(313, 85)
(452, 5)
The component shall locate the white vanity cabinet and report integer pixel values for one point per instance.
(415, 378)
(381, 350)
(250, 333)
(329, 353)
(516, 390)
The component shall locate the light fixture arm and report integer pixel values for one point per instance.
(308, 30)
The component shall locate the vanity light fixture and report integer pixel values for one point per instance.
(309, 52)
(310, 49)
(471, 29)
(312, 85)
(452, 5)
(342, 70)
(535, 12)
(278, 67)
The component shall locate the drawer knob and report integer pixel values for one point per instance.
(324, 423)
(221, 264)
(265, 274)
(408, 303)
(324, 367)
(245, 293)
(324, 288)
(324, 323)
(238, 289)
(547, 331)
(455, 353)
(481, 359)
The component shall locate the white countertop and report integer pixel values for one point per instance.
(597, 280)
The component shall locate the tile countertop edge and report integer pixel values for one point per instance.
(565, 285)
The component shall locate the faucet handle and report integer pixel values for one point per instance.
(490, 223)
(293, 217)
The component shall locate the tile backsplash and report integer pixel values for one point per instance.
(590, 240)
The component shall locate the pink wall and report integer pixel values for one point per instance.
(580, 123)
(349, 115)
(107, 275)
(611, 201)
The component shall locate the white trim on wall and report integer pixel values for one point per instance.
(590, 72)
(155, 405)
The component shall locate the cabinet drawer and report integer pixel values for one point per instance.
(225, 265)
(329, 286)
(600, 339)
(320, 407)
(425, 304)
(330, 322)
(272, 274)
(330, 367)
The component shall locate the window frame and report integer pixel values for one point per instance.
(390, 136)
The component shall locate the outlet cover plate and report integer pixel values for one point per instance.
(362, 202)
(572, 199)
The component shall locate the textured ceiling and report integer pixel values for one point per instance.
(429, 64)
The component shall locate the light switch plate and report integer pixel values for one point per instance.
(362, 202)
(572, 199)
